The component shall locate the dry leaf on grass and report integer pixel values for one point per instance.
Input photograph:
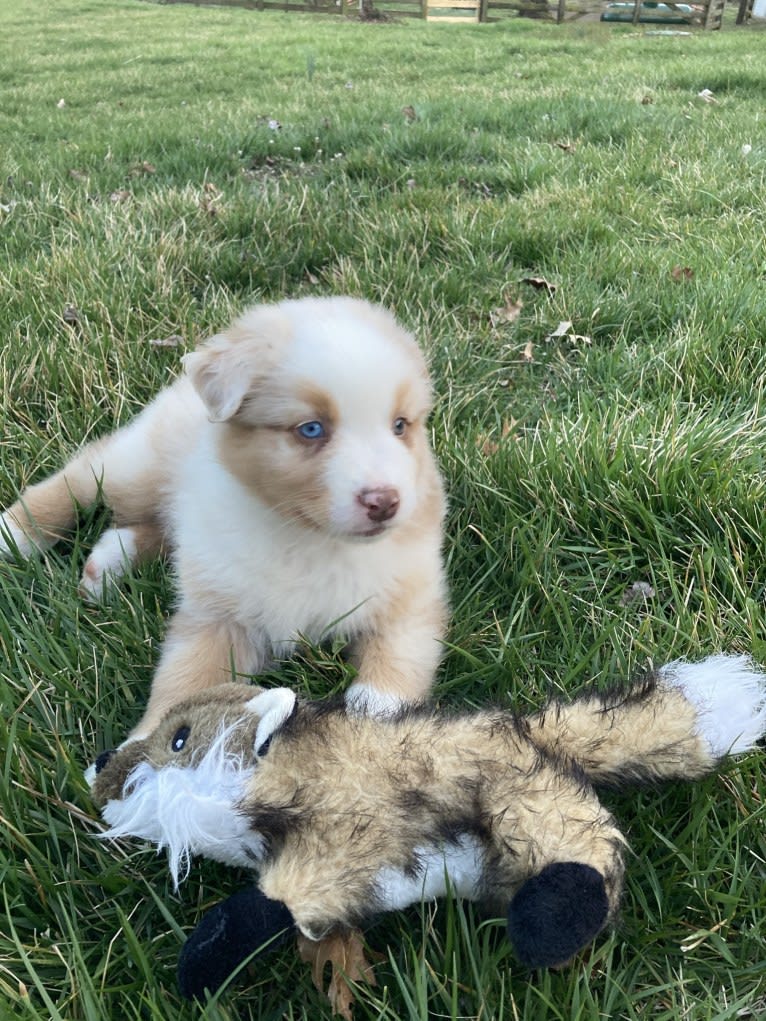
(410, 113)
(507, 313)
(122, 195)
(706, 96)
(527, 354)
(175, 340)
(565, 331)
(566, 146)
(489, 446)
(540, 284)
(346, 954)
(682, 273)
(144, 167)
(638, 590)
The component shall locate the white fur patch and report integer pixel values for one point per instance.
(729, 694)
(364, 700)
(108, 562)
(189, 810)
(455, 866)
(12, 536)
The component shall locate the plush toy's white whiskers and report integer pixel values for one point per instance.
(188, 810)
(729, 695)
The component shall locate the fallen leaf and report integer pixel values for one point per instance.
(526, 354)
(706, 96)
(409, 113)
(540, 284)
(174, 340)
(122, 195)
(345, 953)
(487, 446)
(564, 331)
(566, 146)
(646, 101)
(682, 273)
(638, 590)
(311, 278)
(211, 188)
(78, 175)
(144, 167)
(507, 313)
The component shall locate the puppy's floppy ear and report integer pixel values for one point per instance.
(219, 377)
(273, 706)
(229, 367)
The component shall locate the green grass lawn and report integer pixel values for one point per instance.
(146, 194)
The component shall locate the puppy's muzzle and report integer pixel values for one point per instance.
(380, 504)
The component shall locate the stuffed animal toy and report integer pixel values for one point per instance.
(343, 816)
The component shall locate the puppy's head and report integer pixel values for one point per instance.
(322, 404)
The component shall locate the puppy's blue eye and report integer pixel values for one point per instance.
(400, 426)
(179, 738)
(311, 431)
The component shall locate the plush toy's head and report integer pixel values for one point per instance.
(182, 786)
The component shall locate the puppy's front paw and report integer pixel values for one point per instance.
(364, 700)
(109, 561)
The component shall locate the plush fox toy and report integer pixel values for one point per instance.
(344, 816)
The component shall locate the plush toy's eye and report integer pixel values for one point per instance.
(179, 738)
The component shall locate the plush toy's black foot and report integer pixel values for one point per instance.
(228, 934)
(556, 913)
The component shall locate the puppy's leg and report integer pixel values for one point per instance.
(116, 551)
(397, 660)
(46, 511)
(196, 655)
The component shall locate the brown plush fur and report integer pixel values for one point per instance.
(337, 798)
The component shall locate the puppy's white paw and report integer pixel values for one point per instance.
(12, 538)
(364, 700)
(109, 561)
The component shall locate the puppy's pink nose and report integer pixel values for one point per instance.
(381, 504)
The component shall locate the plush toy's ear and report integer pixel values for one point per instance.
(274, 707)
(243, 925)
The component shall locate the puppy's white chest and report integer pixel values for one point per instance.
(272, 575)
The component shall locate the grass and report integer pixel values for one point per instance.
(436, 169)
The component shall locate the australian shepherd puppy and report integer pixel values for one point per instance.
(289, 474)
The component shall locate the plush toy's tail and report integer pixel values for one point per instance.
(678, 722)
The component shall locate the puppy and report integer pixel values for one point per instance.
(289, 474)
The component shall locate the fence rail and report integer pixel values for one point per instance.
(709, 13)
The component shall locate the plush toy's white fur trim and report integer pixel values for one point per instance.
(188, 810)
(457, 866)
(729, 694)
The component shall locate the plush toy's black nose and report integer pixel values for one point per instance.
(103, 758)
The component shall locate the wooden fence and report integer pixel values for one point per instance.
(708, 15)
